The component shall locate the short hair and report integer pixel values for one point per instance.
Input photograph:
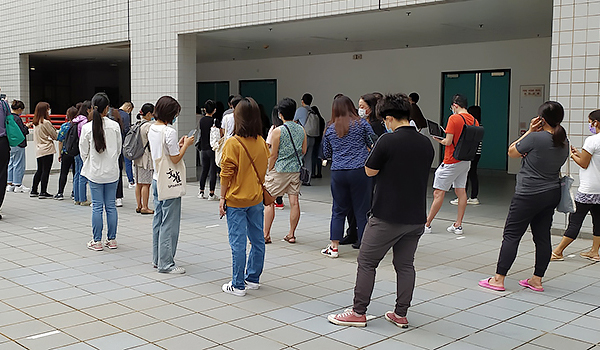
(166, 109)
(379, 95)
(287, 108)
(71, 113)
(17, 104)
(210, 106)
(235, 100)
(394, 105)
(414, 97)
(230, 98)
(307, 99)
(460, 100)
(247, 118)
(127, 104)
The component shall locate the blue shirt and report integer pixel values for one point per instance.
(301, 115)
(348, 152)
(62, 133)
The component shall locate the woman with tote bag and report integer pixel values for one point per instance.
(168, 183)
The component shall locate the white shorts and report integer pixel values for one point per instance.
(454, 175)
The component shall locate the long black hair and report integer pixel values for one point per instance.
(99, 103)
(83, 108)
(553, 113)
(146, 108)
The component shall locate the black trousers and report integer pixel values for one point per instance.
(4, 159)
(472, 177)
(208, 166)
(66, 164)
(535, 211)
(120, 183)
(576, 219)
(42, 174)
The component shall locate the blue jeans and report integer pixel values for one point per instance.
(129, 170)
(242, 224)
(349, 189)
(165, 231)
(79, 182)
(16, 166)
(103, 198)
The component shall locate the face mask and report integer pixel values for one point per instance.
(49, 111)
(388, 129)
(362, 112)
(451, 110)
(173, 122)
(593, 129)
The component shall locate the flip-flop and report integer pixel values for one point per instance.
(593, 258)
(290, 240)
(556, 257)
(486, 284)
(525, 283)
(268, 240)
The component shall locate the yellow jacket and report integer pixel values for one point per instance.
(244, 186)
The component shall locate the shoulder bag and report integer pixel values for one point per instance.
(304, 173)
(268, 199)
(13, 131)
(171, 177)
(566, 204)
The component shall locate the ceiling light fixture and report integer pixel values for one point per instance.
(31, 68)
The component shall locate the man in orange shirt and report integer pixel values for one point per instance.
(452, 172)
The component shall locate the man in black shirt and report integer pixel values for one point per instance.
(401, 162)
(207, 155)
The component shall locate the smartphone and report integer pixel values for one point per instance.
(225, 209)
(192, 133)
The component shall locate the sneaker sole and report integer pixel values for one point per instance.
(330, 256)
(96, 249)
(401, 325)
(332, 319)
(109, 247)
(252, 287)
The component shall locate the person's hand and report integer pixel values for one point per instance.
(59, 158)
(536, 124)
(222, 210)
(181, 140)
(29, 125)
(188, 141)
(574, 152)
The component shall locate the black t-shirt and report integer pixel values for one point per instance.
(403, 159)
(205, 124)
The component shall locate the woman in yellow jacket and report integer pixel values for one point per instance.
(44, 135)
(244, 155)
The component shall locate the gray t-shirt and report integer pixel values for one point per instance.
(540, 167)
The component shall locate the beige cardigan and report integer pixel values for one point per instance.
(44, 135)
(145, 161)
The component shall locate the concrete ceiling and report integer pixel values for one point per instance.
(114, 53)
(414, 26)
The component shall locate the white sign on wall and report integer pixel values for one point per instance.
(530, 99)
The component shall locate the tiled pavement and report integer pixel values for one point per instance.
(55, 293)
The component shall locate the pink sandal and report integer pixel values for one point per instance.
(486, 284)
(525, 283)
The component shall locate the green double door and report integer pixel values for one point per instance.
(491, 91)
(264, 92)
(217, 91)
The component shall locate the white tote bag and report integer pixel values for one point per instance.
(171, 177)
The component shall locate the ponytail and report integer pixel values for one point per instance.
(559, 138)
(553, 113)
(99, 103)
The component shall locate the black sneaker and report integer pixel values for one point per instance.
(59, 197)
(349, 239)
(44, 195)
(33, 194)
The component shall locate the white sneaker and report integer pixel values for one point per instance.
(473, 201)
(201, 195)
(330, 252)
(213, 198)
(21, 189)
(230, 289)
(456, 230)
(252, 285)
(132, 185)
(119, 202)
(177, 270)
(10, 188)
(454, 201)
(427, 229)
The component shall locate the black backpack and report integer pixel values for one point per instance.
(468, 142)
(71, 144)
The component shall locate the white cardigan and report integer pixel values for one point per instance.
(101, 167)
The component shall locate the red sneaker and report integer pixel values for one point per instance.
(349, 318)
(279, 206)
(401, 322)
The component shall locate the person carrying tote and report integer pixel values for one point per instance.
(99, 148)
(167, 212)
(243, 168)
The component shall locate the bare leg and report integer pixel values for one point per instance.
(438, 200)
(535, 281)
(595, 245)
(269, 217)
(497, 280)
(461, 193)
(565, 241)
(138, 195)
(145, 193)
(335, 244)
(294, 214)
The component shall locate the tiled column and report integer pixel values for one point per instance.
(186, 93)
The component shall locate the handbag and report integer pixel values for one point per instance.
(268, 199)
(566, 204)
(171, 177)
(304, 173)
(13, 131)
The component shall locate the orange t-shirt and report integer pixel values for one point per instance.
(454, 127)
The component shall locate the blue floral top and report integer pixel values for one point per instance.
(287, 157)
(348, 152)
(62, 133)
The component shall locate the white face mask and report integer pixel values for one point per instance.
(362, 112)
(49, 111)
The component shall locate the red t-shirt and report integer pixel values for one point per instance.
(454, 127)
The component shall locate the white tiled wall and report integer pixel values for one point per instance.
(575, 65)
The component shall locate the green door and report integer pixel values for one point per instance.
(216, 91)
(264, 92)
(494, 103)
(457, 83)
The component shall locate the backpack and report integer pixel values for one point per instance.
(133, 147)
(468, 142)
(215, 135)
(311, 127)
(13, 131)
(71, 144)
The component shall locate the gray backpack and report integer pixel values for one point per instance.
(133, 147)
(311, 127)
